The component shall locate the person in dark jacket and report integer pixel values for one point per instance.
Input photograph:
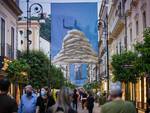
(75, 99)
(83, 99)
(90, 102)
(7, 103)
(44, 101)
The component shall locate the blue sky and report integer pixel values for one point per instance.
(46, 4)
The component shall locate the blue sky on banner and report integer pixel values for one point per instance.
(71, 12)
(85, 13)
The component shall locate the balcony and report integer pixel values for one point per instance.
(114, 2)
(117, 26)
(102, 52)
(103, 74)
(100, 43)
(128, 7)
(12, 4)
(110, 39)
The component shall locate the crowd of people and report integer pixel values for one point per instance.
(66, 101)
(43, 101)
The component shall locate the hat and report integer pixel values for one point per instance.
(115, 88)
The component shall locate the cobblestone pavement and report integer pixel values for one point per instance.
(96, 109)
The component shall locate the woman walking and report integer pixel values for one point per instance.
(63, 104)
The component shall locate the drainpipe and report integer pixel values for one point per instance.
(107, 55)
(125, 19)
(125, 32)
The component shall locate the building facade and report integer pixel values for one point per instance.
(138, 18)
(45, 46)
(92, 73)
(127, 20)
(9, 12)
(34, 35)
(36, 42)
(103, 33)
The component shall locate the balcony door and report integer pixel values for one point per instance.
(2, 49)
(12, 42)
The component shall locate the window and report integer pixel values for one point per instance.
(137, 27)
(144, 19)
(117, 49)
(21, 32)
(120, 47)
(124, 1)
(119, 9)
(12, 42)
(125, 43)
(2, 37)
(130, 35)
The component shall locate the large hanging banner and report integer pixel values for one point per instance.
(74, 37)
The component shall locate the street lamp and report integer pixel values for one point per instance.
(37, 10)
(104, 23)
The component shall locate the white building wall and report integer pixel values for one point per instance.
(34, 36)
(45, 46)
(10, 21)
(137, 15)
(92, 72)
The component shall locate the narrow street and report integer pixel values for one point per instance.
(96, 109)
(65, 51)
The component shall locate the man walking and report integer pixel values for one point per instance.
(117, 105)
(7, 104)
(75, 100)
(28, 101)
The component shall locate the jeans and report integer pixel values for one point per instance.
(75, 106)
(90, 110)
